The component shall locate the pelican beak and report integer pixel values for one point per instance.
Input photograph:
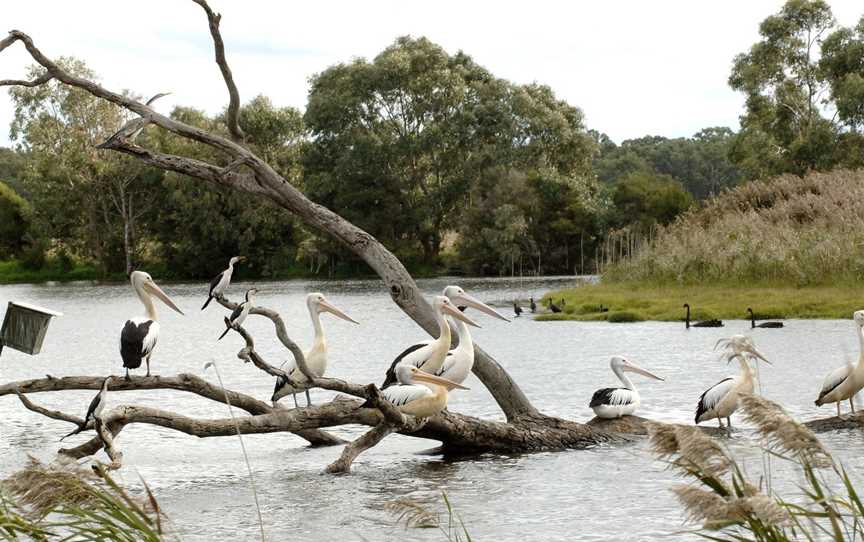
(157, 291)
(470, 301)
(758, 355)
(636, 369)
(459, 315)
(432, 379)
(333, 310)
(241, 258)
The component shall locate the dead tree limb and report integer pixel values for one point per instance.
(232, 116)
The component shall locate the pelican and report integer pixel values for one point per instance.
(221, 281)
(421, 395)
(139, 335)
(704, 323)
(316, 357)
(845, 382)
(94, 411)
(721, 400)
(240, 312)
(430, 355)
(617, 402)
(754, 325)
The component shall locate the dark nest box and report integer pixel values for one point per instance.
(24, 327)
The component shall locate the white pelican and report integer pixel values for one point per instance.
(139, 335)
(316, 357)
(458, 361)
(241, 311)
(97, 405)
(617, 402)
(845, 382)
(423, 395)
(721, 400)
(221, 281)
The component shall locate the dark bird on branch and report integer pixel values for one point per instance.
(94, 411)
(131, 129)
(238, 316)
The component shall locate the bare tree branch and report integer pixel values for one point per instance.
(357, 447)
(233, 113)
(53, 414)
(41, 80)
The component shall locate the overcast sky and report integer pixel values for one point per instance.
(634, 67)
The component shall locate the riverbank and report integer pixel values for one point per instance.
(623, 302)
(14, 272)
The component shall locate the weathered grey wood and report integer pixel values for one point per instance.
(638, 426)
(834, 423)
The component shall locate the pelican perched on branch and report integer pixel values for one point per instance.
(94, 411)
(421, 395)
(139, 335)
(240, 312)
(617, 402)
(845, 382)
(221, 281)
(721, 400)
(316, 357)
(430, 355)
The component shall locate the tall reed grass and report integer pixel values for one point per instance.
(791, 230)
(731, 506)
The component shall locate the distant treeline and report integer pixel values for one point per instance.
(451, 167)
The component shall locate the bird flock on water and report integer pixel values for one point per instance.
(419, 380)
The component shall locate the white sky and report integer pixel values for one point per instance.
(634, 67)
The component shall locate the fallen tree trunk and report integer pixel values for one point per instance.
(525, 429)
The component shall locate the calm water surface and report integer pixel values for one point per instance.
(602, 493)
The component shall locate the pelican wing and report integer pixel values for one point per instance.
(402, 395)
(611, 397)
(713, 395)
(834, 379)
(414, 355)
(137, 340)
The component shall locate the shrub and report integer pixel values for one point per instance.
(623, 317)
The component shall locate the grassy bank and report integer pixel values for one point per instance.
(12, 272)
(632, 302)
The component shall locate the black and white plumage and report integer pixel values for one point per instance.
(140, 334)
(431, 355)
(721, 400)
(240, 312)
(419, 394)
(94, 411)
(763, 325)
(617, 402)
(713, 322)
(221, 281)
(844, 382)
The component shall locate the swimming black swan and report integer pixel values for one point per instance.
(704, 323)
(754, 325)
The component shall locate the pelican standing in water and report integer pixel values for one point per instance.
(721, 400)
(240, 312)
(316, 357)
(617, 402)
(139, 335)
(221, 281)
(94, 411)
(845, 382)
(431, 355)
(421, 395)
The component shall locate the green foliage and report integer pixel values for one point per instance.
(700, 163)
(645, 199)
(14, 221)
(623, 317)
(784, 81)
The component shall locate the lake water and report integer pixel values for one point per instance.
(602, 493)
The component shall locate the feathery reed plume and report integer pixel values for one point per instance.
(703, 506)
(44, 488)
(701, 451)
(781, 432)
(760, 506)
(412, 513)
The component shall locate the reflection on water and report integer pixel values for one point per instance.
(592, 494)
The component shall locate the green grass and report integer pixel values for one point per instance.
(633, 302)
(14, 272)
